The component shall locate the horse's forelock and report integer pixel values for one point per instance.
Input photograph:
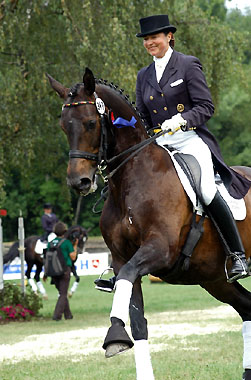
(75, 90)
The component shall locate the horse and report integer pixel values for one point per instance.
(32, 258)
(147, 215)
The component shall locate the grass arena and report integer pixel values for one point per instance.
(191, 336)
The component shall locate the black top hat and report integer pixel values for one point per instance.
(47, 205)
(155, 24)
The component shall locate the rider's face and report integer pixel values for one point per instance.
(157, 44)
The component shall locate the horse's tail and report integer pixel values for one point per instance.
(11, 254)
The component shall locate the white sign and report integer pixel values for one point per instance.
(86, 264)
(91, 263)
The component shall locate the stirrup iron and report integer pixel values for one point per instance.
(238, 276)
(105, 285)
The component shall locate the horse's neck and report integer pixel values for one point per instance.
(129, 135)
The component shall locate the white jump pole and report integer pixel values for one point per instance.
(1, 256)
(21, 248)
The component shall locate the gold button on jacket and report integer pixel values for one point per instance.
(180, 107)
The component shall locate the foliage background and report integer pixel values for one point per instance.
(62, 37)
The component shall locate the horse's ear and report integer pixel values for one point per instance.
(58, 87)
(89, 82)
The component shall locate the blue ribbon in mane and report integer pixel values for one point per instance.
(121, 123)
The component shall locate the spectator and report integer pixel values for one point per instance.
(69, 252)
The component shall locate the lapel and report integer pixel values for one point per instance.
(151, 77)
(170, 69)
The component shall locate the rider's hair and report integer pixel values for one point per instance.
(60, 228)
(172, 41)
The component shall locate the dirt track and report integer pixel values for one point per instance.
(78, 343)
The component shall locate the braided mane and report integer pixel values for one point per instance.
(120, 92)
(74, 91)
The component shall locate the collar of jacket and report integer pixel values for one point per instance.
(167, 74)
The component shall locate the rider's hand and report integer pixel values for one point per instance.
(174, 124)
(169, 125)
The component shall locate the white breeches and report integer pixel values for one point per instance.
(190, 143)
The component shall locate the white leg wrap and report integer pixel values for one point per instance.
(74, 286)
(32, 284)
(143, 360)
(41, 288)
(121, 300)
(246, 332)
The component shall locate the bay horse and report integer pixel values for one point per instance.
(32, 258)
(147, 215)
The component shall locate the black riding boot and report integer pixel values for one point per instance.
(223, 217)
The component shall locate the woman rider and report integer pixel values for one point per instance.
(172, 93)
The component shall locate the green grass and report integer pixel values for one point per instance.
(199, 357)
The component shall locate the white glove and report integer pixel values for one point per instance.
(172, 125)
(169, 125)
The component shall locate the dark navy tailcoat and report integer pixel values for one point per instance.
(183, 89)
(48, 222)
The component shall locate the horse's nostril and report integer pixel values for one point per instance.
(85, 183)
(80, 184)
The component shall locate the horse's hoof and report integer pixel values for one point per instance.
(45, 297)
(118, 337)
(115, 349)
(69, 294)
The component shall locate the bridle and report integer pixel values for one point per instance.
(101, 157)
(79, 153)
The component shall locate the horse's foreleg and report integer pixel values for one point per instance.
(140, 334)
(240, 299)
(76, 282)
(148, 258)
(117, 339)
(39, 283)
(31, 281)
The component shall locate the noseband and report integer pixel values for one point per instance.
(100, 106)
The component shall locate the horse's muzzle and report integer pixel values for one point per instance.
(82, 185)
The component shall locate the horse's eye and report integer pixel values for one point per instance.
(91, 124)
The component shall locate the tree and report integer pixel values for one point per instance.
(231, 124)
(62, 37)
